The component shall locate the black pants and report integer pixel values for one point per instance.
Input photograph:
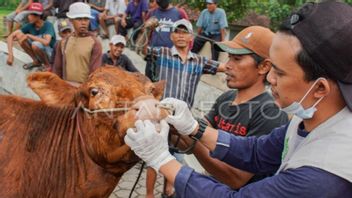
(199, 43)
(151, 68)
(130, 24)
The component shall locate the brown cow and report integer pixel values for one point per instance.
(54, 148)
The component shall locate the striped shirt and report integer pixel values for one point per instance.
(181, 78)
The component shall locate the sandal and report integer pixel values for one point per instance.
(44, 69)
(29, 66)
(104, 36)
(173, 195)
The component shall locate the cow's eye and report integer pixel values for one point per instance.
(94, 91)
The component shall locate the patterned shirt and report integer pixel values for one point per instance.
(181, 77)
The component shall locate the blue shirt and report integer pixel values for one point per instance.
(212, 23)
(161, 34)
(47, 28)
(261, 155)
(181, 77)
(135, 11)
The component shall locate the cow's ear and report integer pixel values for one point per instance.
(158, 89)
(51, 89)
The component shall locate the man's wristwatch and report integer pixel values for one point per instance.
(201, 128)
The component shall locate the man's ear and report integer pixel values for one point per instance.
(264, 67)
(51, 89)
(323, 88)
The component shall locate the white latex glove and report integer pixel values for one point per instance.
(151, 146)
(183, 119)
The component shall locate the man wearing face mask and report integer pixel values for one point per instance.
(311, 77)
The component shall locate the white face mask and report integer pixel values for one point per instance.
(297, 109)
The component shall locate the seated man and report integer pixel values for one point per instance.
(18, 16)
(114, 9)
(133, 17)
(97, 7)
(37, 38)
(115, 57)
(63, 7)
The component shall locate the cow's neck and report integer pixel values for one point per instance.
(104, 144)
(52, 160)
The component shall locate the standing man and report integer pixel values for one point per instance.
(80, 53)
(211, 25)
(311, 77)
(246, 110)
(181, 69)
(115, 57)
(37, 38)
(167, 15)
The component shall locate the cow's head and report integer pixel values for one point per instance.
(107, 88)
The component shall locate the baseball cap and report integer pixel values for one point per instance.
(35, 8)
(324, 30)
(118, 39)
(64, 24)
(185, 23)
(79, 10)
(211, 1)
(253, 39)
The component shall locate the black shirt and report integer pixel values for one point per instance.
(256, 117)
(63, 7)
(122, 61)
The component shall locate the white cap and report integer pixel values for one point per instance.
(118, 39)
(183, 22)
(79, 10)
(211, 1)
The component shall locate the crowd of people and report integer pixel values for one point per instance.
(291, 141)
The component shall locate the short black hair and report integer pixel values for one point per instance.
(258, 59)
(312, 70)
(40, 15)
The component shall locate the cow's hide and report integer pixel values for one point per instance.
(54, 148)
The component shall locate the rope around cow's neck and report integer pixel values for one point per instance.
(168, 107)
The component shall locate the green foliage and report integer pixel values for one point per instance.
(275, 11)
(237, 9)
(9, 4)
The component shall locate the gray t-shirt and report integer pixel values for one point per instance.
(212, 22)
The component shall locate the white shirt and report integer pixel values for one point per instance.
(115, 7)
